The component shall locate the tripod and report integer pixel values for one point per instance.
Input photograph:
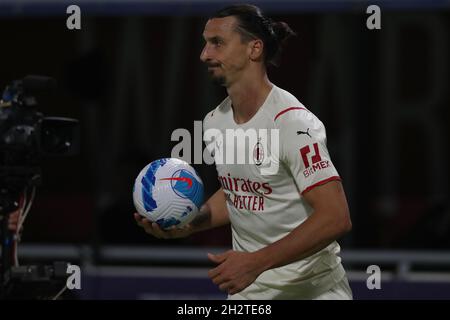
(13, 182)
(30, 281)
(7, 241)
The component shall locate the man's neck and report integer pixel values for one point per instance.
(247, 96)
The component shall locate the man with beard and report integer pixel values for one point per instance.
(285, 248)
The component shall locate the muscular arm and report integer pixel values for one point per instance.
(329, 221)
(214, 213)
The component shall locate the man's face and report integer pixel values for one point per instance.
(224, 53)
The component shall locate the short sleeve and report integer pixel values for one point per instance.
(303, 149)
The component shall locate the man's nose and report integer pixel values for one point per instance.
(204, 55)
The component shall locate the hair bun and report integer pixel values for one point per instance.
(282, 31)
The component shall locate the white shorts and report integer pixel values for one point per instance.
(341, 291)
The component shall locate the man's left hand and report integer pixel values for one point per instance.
(235, 270)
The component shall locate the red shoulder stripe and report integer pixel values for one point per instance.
(286, 110)
(321, 183)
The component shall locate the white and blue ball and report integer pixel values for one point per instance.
(169, 192)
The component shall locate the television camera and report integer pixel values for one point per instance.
(26, 138)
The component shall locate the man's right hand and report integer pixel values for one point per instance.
(155, 230)
(13, 221)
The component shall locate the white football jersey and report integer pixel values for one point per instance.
(265, 206)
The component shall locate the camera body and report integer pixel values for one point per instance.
(25, 134)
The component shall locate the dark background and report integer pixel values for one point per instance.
(133, 76)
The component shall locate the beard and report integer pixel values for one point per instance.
(217, 79)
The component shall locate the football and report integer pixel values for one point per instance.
(169, 192)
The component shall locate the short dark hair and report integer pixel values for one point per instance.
(253, 24)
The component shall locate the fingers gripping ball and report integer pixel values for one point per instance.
(169, 192)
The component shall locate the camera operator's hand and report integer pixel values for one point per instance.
(13, 221)
(155, 230)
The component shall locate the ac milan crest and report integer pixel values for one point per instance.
(258, 153)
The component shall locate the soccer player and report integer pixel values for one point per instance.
(284, 225)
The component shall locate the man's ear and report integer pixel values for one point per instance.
(256, 48)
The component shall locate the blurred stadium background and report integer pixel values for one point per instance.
(132, 75)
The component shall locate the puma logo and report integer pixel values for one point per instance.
(304, 132)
